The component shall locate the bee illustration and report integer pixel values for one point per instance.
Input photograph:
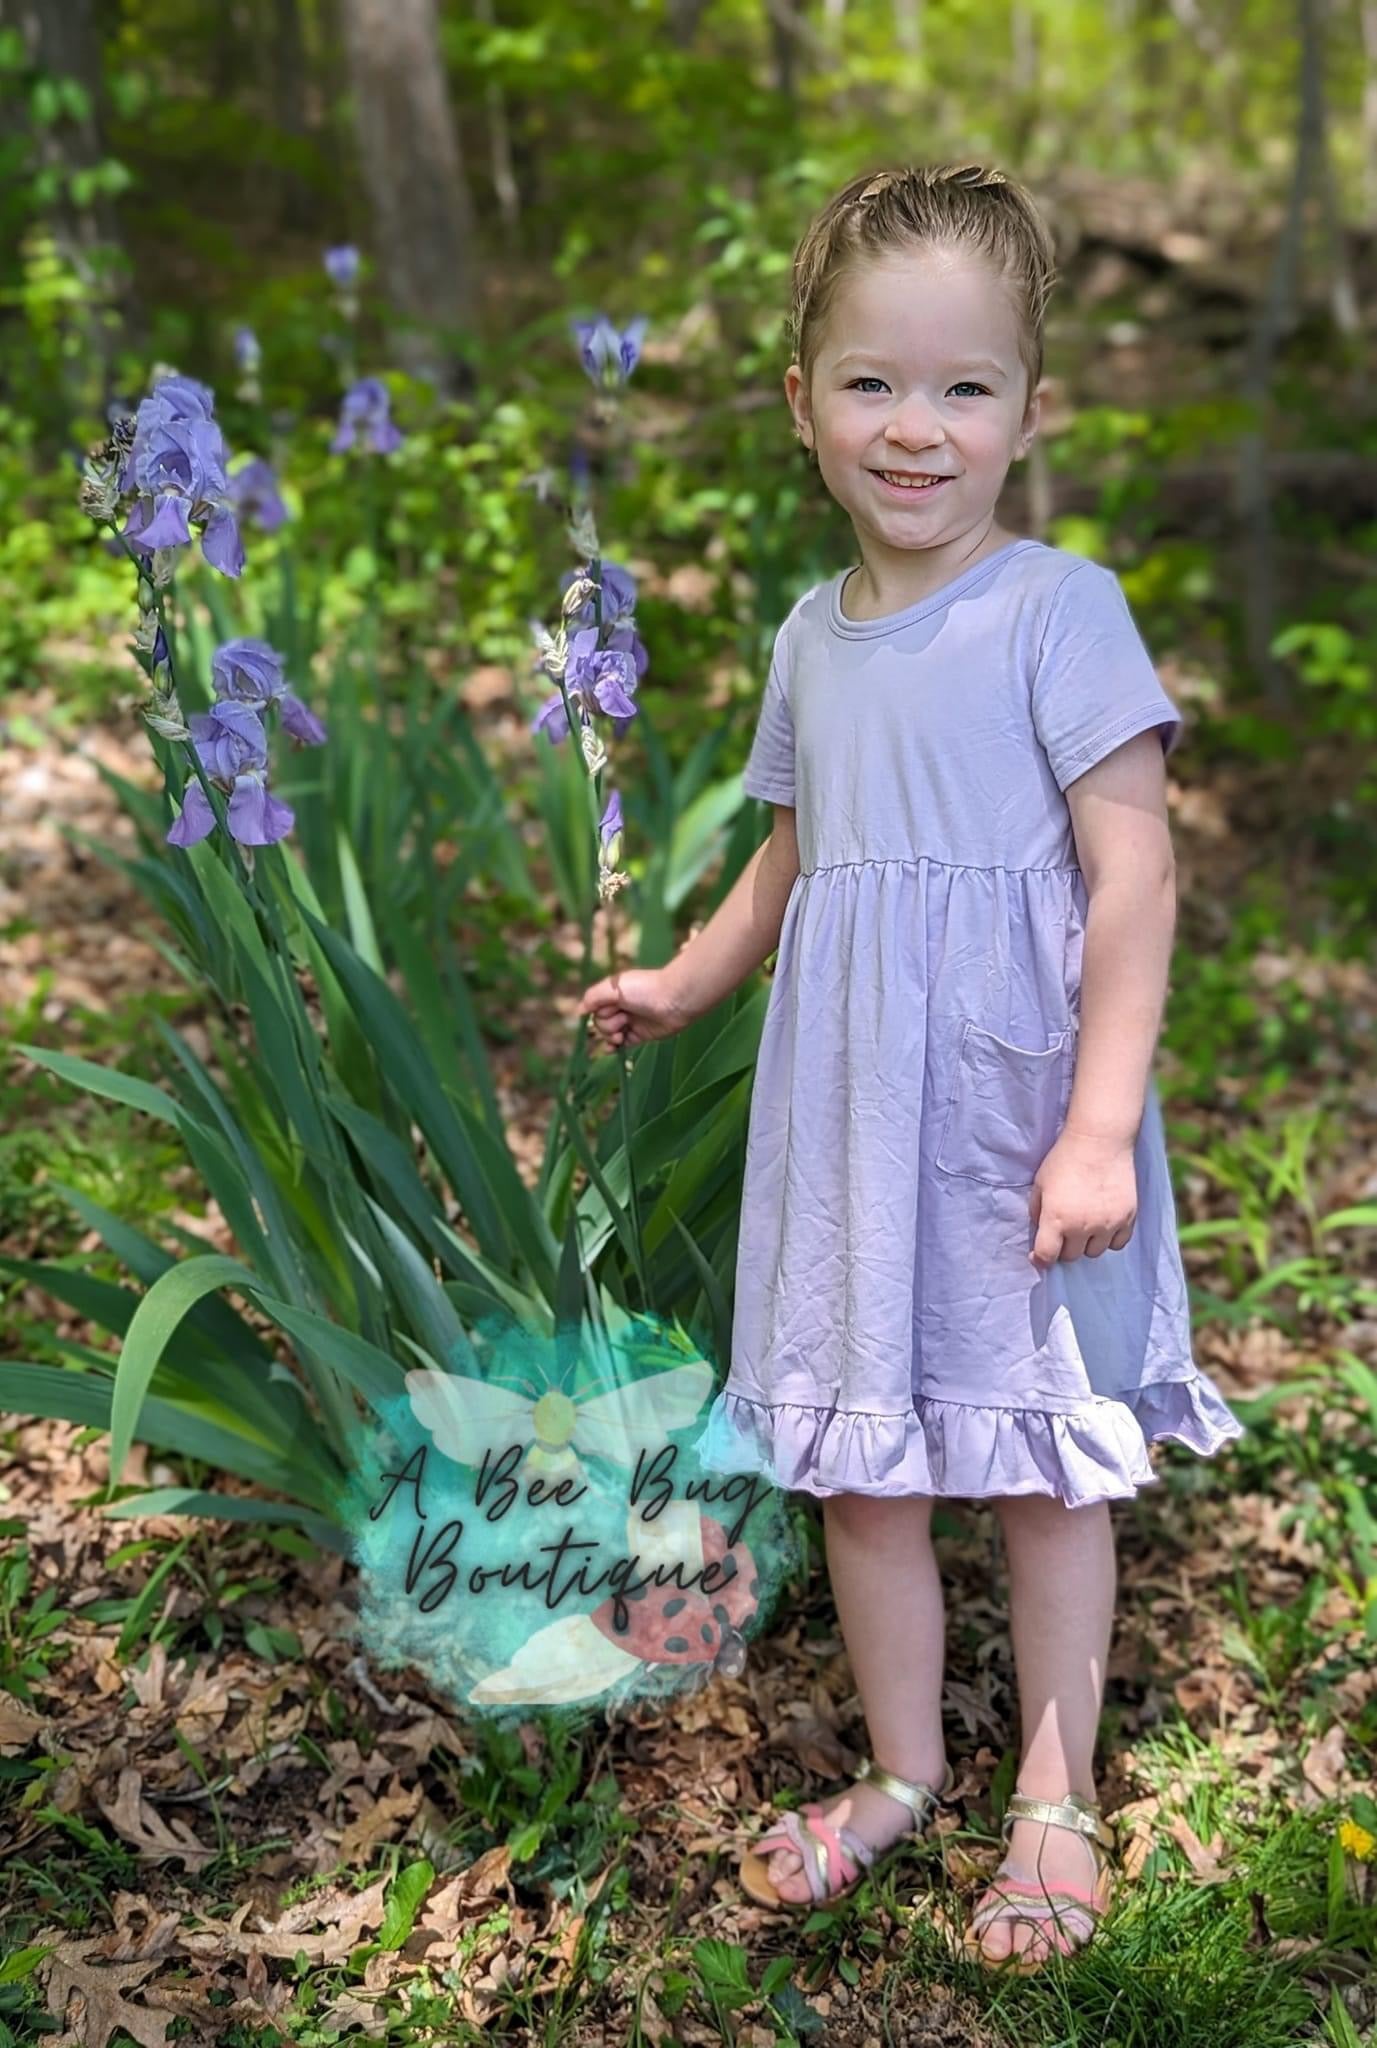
(466, 1415)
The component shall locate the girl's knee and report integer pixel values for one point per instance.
(1048, 1514)
(858, 1509)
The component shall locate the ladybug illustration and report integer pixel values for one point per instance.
(664, 1624)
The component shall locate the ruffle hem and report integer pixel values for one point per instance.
(1097, 1451)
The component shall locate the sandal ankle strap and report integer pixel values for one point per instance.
(920, 1799)
(1081, 1815)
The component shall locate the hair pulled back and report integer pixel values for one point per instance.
(955, 206)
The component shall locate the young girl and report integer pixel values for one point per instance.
(958, 1271)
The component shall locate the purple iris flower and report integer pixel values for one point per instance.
(249, 672)
(609, 357)
(176, 469)
(365, 410)
(229, 739)
(300, 723)
(611, 824)
(601, 677)
(247, 353)
(254, 817)
(552, 719)
(626, 640)
(178, 398)
(254, 494)
(607, 675)
(342, 263)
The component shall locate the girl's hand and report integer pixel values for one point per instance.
(1084, 1199)
(635, 1004)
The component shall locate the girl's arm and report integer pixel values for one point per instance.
(744, 929)
(1123, 842)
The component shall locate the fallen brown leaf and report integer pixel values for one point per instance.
(378, 1823)
(1323, 1763)
(348, 2011)
(344, 1916)
(137, 1821)
(18, 1724)
(103, 2008)
(1203, 1861)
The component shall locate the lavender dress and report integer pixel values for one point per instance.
(916, 1060)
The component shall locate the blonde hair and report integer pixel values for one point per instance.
(948, 205)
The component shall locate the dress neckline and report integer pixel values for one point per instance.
(890, 622)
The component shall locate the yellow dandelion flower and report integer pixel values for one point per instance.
(1357, 1841)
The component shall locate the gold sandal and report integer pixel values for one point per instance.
(1070, 1908)
(834, 1857)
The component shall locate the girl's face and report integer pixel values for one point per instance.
(918, 372)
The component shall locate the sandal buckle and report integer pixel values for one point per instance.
(1081, 1815)
(921, 1800)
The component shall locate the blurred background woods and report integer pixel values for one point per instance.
(1211, 172)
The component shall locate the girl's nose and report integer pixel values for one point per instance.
(915, 427)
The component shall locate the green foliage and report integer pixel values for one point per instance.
(307, 1143)
(1225, 1019)
(559, 1835)
(54, 587)
(28, 1620)
(1263, 1169)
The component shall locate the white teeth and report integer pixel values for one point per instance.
(908, 483)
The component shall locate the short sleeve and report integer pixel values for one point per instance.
(1095, 685)
(769, 771)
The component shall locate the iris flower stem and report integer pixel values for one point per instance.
(578, 1063)
(214, 797)
(379, 785)
(335, 1404)
(628, 1059)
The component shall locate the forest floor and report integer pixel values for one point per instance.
(216, 1815)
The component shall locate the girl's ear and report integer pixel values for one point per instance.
(796, 393)
(1031, 419)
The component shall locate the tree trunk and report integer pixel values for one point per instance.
(1041, 499)
(1275, 320)
(1024, 92)
(409, 154)
(1343, 292)
(289, 108)
(1368, 17)
(908, 28)
(499, 137)
(682, 18)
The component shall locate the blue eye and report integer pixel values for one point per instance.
(965, 382)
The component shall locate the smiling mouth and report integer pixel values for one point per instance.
(909, 480)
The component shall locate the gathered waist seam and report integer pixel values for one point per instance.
(911, 860)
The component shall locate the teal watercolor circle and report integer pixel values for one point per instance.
(535, 1533)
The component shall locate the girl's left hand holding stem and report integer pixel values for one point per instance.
(1084, 1199)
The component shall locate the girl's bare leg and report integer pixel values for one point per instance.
(889, 1603)
(1062, 1579)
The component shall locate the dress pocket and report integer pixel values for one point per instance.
(1007, 1107)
